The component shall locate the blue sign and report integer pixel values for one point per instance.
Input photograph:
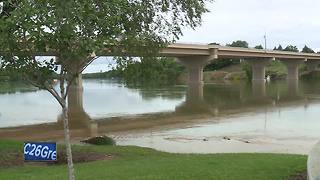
(40, 151)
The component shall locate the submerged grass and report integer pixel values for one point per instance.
(144, 163)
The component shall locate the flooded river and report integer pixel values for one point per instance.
(280, 117)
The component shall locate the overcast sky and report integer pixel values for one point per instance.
(285, 22)
(295, 22)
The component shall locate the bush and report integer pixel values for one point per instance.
(219, 64)
(315, 75)
(100, 140)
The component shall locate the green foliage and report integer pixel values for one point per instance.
(309, 76)
(8, 76)
(102, 75)
(219, 64)
(75, 31)
(148, 71)
(306, 49)
(37, 73)
(291, 48)
(239, 43)
(214, 43)
(131, 162)
(259, 47)
(279, 48)
(276, 70)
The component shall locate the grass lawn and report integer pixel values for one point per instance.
(142, 163)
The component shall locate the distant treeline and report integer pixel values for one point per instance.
(221, 63)
(6, 76)
(245, 44)
(146, 71)
(102, 75)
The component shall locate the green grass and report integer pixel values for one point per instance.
(143, 163)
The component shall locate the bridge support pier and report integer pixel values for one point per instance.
(293, 68)
(195, 93)
(259, 89)
(258, 68)
(293, 88)
(194, 65)
(194, 102)
(312, 65)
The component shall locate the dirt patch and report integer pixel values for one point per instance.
(299, 176)
(11, 159)
(14, 159)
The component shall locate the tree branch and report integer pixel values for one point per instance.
(89, 61)
(55, 94)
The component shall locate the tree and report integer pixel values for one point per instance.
(259, 47)
(279, 48)
(214, 43)
(221, 63)
(149, 71)
(75, 32)
(239, 43)
(291, 48)
(306, 49)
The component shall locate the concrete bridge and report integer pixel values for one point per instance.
(195, 57)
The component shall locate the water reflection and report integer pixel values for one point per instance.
(210, 100)
(11, 88)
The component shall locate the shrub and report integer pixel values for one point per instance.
(100, 140)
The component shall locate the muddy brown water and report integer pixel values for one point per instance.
(273, 117)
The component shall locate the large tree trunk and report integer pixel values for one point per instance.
(67, 142)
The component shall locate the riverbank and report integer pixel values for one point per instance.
(240, 133)
(234, 72)
(131, 162)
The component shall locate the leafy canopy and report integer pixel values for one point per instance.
(239, 43)
(259, 47)
(279, 48)
(306, 49)
(291, 48)
(76, 30)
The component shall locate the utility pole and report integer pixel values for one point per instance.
(265, 41)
